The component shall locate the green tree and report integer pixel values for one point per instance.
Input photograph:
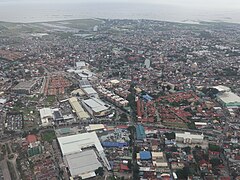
(100, 171)
(170, 136)
(215, 162)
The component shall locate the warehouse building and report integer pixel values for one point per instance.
(140, 131)
(25, 87)
(96, 107)
(90, 92)
(77, 108)
(188, 138)
(46, 116)
(229, 99)
(95, 127)
(83, 154)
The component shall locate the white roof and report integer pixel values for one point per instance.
(78, 108)
(83, 73)
(89, 90)
(229, 97)
(187, 135)
(46, 113)
(3, 101)
(157, 155)
(96, 104)
(75, 143)
(201, 123)
(115, 81)
(88, 175)
(94, 127)
(83, 163)
(80, 64)
(222, 88)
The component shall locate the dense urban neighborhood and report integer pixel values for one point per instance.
(119, 99)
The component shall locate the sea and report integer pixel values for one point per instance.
(44, 12)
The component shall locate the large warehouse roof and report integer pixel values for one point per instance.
(229, 98)
(75, 143)
(89, 90)
(222, 88)
(83, 163)
(78, 108)
(96, 104)
(45, 113)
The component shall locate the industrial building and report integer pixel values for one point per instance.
(141, 135)
(80, 112)
(90, 92)
(58, 117)
(84, 83)
(83, 154)
(96, 107)
(189, 138)
(226, 97)
(46, 116)
(25, 87)
(229, 99)
(83, 73)
(94, 127)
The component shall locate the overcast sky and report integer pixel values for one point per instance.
(192, 3)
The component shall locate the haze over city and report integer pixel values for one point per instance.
(169, 10)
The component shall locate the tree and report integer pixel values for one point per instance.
(187, 149)
(215, 162)
(170, 136)
(123, 117)
(213, 147)
(129, 164)
(100, 171)
(183, 174)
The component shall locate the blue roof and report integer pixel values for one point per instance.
(145, 155)
(140, 132)
(114, 144)
(147, 97)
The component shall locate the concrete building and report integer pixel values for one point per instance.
(189, 138)
(229, 99)
(46, 116)
(25, 87)
(83, 154)
(96, 107)
(80, 64)
(77, 108)
(90, 92)
(95, 127)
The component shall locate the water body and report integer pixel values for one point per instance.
(43, 12)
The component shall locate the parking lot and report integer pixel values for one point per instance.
(14, 122)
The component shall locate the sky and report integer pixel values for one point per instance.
(169, 10)
(188, 3)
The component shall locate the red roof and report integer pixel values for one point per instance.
(31, 138)
(124, 167)
(225, 178)
(202, 162)
(122, 126)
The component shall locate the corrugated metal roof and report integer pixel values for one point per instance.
(83, 162)
(74, 143)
